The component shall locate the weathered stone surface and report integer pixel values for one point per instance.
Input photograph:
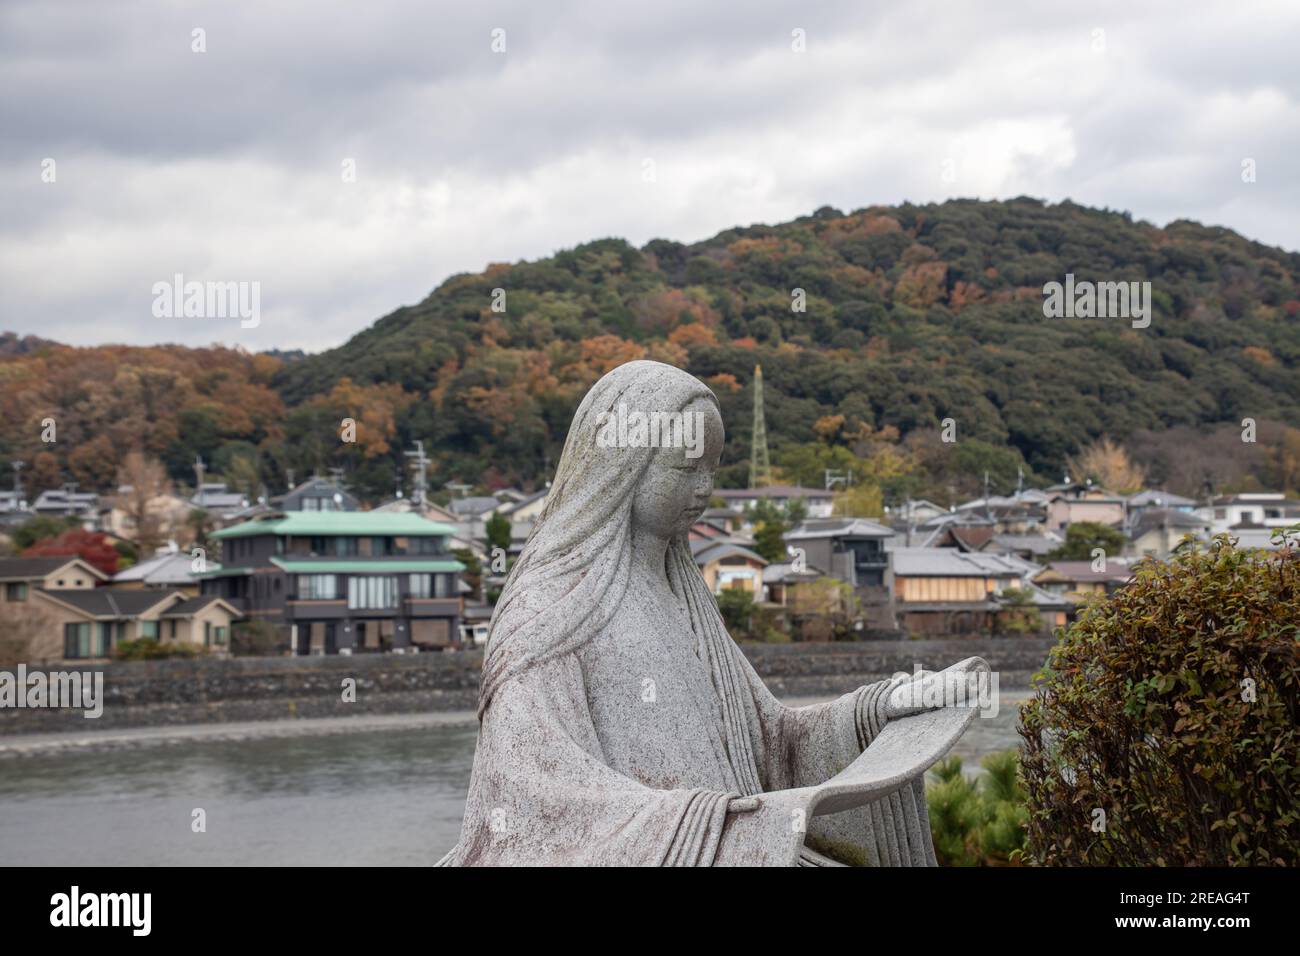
(620, 724)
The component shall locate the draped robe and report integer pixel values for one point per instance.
(628, 749)
(609, 736)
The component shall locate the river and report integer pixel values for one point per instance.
(384, 792)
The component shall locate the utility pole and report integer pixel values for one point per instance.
(420, 464)
(199, 470)
(760, 469)
(988, 511)
(18, 482)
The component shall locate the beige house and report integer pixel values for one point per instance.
(727, 566)
(1077, 581)
(19, 577)
(169, 511)
(1085, 503)
(86, 624)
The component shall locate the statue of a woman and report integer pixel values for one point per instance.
(621, 724)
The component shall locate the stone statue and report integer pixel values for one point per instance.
(620, 723)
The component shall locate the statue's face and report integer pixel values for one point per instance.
(678, 482)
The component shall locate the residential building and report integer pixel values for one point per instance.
(1255, 509)
(20, 576)
(852, 550)
(472, 515)
(526, 509)
(1077, 581)
(316, 494)
(1157, 532)
(728, 566)
(781, 581)
(167, 512)
(1079, 503)
(88, 623)
(67, 503)
(819, 503)
(172, 569)
(218, 500)
(343, 581)
(948, 591)
(1158, 499)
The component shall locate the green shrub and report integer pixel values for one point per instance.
(258, 639)
(1171, 707)
(737, 608)
(148, 649)
(977, 823)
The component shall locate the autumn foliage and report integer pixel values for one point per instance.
(93, 547)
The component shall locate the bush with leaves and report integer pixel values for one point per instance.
(977, 823)
(1173, 707)
(258, 639)
(149, 649)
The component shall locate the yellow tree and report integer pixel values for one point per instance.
(1108, 464)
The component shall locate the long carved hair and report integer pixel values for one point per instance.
(576, 564)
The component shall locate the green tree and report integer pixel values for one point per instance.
(737, 608)
(41, 528)
(473, 573)
(1168, 713)
(498, 531)
(1083, 537)
(978, 823)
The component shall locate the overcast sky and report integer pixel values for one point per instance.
(227, 165)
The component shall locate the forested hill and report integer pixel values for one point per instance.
(911, 315)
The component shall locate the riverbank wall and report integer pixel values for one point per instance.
(210, 690)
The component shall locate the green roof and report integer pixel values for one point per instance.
(381, 565)
(219, 572)
(325, 523)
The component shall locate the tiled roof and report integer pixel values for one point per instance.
(27, 568)
(951, 563)
(838, 528)
(111, 602)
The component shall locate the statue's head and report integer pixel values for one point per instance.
(639, 461)
(677, 479)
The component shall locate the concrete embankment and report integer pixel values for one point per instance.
(212, 691)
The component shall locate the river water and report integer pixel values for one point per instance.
(383, 793)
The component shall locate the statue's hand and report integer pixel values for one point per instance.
(907, 697)
(742, 804)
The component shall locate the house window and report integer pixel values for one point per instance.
(442, 585)
(429, 545)
(16, 591)
(317, 587)
(87, 640)
(372, 592)
(219, 635)
(421, 585)
(149, 629)
(76, 640)
(311, 504)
